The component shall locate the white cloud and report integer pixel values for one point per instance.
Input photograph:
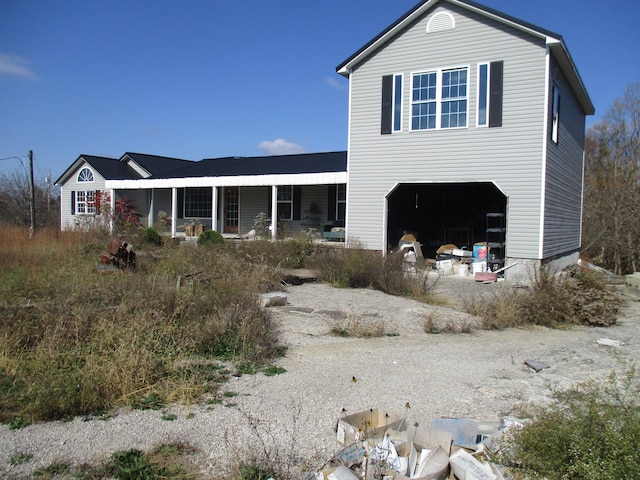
(280, 146)
(335, 83)
(14, 65)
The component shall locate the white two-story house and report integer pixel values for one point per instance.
(467, 125)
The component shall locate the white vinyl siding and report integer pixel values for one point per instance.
(68, 220)
(510, 156)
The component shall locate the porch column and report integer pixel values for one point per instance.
(174, 210)
(214, 209)
(274, 212)
(112, 194)
(150, 219)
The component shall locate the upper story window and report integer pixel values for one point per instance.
(489, 104)
(439, 99)
(555, 115)
(85, 175)
(391, 104)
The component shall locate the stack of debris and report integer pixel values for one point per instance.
(379, 445)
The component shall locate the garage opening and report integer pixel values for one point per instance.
(446, 213)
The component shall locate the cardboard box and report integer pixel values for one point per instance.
(367, 424)
(465, 467)
(430, 465)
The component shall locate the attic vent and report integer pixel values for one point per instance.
(440, 22)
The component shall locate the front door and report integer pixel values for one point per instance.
(231, 209)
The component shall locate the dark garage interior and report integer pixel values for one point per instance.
(443, 213)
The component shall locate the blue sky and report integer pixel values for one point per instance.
(209, 78)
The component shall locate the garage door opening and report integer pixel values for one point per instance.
(444, 213)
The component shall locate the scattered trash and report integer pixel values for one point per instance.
(608, 342)
(274, 299)
(465, 467)
(121, 257)
(536, 365)
(384, 446)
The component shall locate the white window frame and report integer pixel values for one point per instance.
(396, 110)
(284, 201)
(487, 65)
(84, 203)
(438, 100)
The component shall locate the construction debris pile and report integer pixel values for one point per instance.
(379, 445)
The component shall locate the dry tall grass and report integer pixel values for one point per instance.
(74, 340)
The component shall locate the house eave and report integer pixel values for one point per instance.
(231, 181)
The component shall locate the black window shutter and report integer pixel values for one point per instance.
(387, 96)
(180, 202)
(331, 208)
(73, 202)
(495, 94)
(297, 202)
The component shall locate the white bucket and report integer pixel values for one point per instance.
(462, 270)
(478, 267)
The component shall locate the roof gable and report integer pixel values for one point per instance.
(553, 40)
(108, 168)
(154, 165)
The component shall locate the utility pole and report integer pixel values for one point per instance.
(32, 200)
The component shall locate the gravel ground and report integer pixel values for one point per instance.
(480, 375)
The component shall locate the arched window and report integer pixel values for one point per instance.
(85, 175)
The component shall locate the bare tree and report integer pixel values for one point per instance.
(611, 223)
(15, 198)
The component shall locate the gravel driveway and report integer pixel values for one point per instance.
(480, 375)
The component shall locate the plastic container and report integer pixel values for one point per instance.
(479, 267)
(480, 252)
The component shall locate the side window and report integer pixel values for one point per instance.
(489, 113)
(197, 202)
(391, 118)
(423, 101)
(483, 95)
(555, 112)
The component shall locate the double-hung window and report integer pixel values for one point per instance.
(423, 101)
(439, 99)
(285, 202)
(86, 202)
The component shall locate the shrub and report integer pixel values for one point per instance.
(590, 432)
(150, 236)
(553, 300)
(210, 238)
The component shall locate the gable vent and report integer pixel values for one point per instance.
(440, 22)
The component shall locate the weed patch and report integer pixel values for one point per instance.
(589, 432)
